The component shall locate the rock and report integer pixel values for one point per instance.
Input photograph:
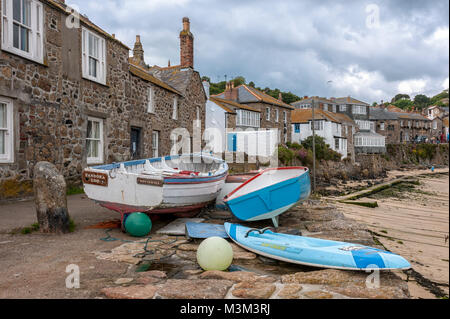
(195, 289)
(236, 276)
(188, 247)
(132, 292)
(338, 224)
(253, 290)
(222, 214)
(50, 199)
(151, 277)
(352, 283)
(318, 294)
(290, 291)
(122, 281)
(241, 254)
(189, 255)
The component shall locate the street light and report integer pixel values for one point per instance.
(314, 146)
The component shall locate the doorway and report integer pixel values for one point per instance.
(135, 145)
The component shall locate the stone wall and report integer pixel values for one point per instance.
(272, 123)
(52, 102)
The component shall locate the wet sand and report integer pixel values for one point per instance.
(414, 226)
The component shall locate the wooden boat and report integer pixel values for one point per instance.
(269, 194)
(173, 184)
(314, 252)
(231, 183)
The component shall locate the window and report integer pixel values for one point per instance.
(277, 115)
(247, 118)
(409, 123)
(175, 108)
(6, 132)
(94, 61)
(382, 126)
(268, 113)
(285, 117)
(22, 22)
(346, 129)
(434, 125)
(336, 144)
(325, 107)
(155, 144)
(151, 101)
(343, 108)
(94, 141)
(297, 128)
(334, 108)
(359, 109)
(318, 125)
(363, 125)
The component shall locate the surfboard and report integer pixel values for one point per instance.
(314, 252)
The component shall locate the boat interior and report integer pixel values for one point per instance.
(178, 165)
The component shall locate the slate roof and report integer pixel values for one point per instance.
(310, 99)
(231, 106)
(143, 74)
(177, 77)
(343, 118)
(377, 113)
(412, 116)
(248, 94)
(349, 100)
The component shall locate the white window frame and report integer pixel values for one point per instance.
(363, 125)
(99, 159)
(277, 115)
(359, 109)
(343, 108)
(8, 157)
(248, 118)
(435, 125)
(267, 113)
(285, 117)
(318, 126)
(101, 70)
(382, 126)
(151, 100)
(36, 38)
(155, 144)
(175, 108)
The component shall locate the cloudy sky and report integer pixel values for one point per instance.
(371, 50)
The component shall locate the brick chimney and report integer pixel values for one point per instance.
(231, 93)
(138, 53)
(280, 97)
(186, 45)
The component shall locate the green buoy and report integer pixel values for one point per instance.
(138, 225)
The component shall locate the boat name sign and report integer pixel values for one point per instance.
(150, 182)
(93, 178)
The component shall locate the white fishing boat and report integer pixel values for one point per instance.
(173, 184)
(231, 183)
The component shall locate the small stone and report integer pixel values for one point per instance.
(290, 291)
(154, 273)
(132, 292)
(122, 281)
(253, 290)
(319, 294)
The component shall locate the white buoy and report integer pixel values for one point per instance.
(215, 253)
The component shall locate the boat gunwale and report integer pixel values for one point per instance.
(227, 197)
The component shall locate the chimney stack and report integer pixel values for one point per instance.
(186, 45)
(138, 53)
(231, 93)
(280, 97)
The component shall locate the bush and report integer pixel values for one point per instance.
(323, 150)
(285, 155)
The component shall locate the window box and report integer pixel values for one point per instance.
(93, 57)
(22, 24)
(6, 131)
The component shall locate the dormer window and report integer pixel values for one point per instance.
(94, 57)
(22, 23)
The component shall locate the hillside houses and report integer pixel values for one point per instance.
(74, 97)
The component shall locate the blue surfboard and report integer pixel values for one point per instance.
(314, 252)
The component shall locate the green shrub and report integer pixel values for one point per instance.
(323, 150)
(285, 155)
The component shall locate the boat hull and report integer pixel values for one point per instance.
(231, 183)
(315, 252)
(270, 201)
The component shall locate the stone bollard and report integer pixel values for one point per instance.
(50, 199)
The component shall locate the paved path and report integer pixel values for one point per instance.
(414, 227)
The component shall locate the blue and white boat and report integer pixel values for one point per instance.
(314, 252)
(269, 194)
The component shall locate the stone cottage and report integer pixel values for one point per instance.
(71, 95)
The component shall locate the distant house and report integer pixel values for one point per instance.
(275, 114)
(327, 125)
(319, 103)
(366, 140)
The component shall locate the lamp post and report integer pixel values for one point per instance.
(314, 146)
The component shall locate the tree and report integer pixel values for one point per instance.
(239, 81)
(404, 104)
(252, 84)
(401, 97)
(435, 99)
(205, 78)
(421, 101)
